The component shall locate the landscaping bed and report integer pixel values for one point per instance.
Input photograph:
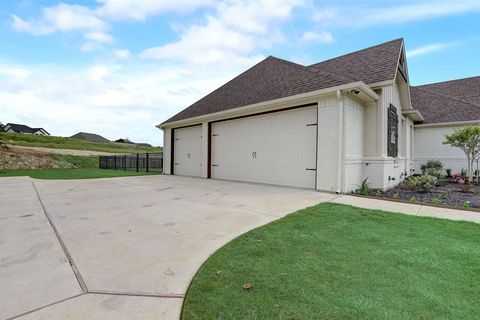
(445, 193)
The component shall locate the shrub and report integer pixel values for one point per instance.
(449, 172)
(378, 193)
(432, 164)
(423, 183)
(433, 168)
(456, 177)
(466, 204)
(435, 200)
(444, 196)
(438, 173)
(364, 187)
(463, 173)
(413, 199)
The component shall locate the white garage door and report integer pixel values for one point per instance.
(187, 151)
(275, 148)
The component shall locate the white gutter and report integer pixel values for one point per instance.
(359, 85)
(448, 124)
(415, 115)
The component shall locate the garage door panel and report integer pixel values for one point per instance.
(188, 151)
(283, 143)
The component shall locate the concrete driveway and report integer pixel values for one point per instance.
(121, 248)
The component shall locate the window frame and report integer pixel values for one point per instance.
(392, 123)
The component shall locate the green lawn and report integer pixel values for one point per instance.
(83, 173)
(77, 161)
(30, 140)
(339, 262)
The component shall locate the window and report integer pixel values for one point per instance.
(392, 142)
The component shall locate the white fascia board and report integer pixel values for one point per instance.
(414, 115)
(257, 107)
(378, 85)
(448, 124)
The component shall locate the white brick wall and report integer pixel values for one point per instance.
(354, 137)
(328, 138)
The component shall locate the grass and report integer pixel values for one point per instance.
(334, 261)
(71, 143)
(78, 161)
(83, 173)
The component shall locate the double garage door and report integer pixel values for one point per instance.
(276, 148)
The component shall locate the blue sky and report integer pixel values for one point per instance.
(118, 67)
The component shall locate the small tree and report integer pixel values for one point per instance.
(467, 139)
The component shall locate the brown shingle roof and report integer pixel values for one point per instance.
(450, 101)
(274, 78)
(370, 65)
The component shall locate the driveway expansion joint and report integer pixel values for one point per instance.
(75, 270)
(134, 294)
(45, 306)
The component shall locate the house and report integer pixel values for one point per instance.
(326, 126)
(123, 140)
(89, 137)
(445, 107)
(1, 127)
(21, 128)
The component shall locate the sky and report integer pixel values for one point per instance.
(119, 67)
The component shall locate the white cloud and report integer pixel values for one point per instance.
(427, 49)
(121, 53)
(375, 13)
(112, 100)
(321, 37)
(60, 18)
(255, 16)
(205, 44)
(99, 37)
(232, 34)
(141, 9)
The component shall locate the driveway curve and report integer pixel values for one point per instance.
(133, 244)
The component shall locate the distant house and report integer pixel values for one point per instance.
(122, 140)
(21, 128)
(89, 137)
(1, 127)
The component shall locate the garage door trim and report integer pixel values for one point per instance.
(172, 146)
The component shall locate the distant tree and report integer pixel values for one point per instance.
(4, 148)
(468, 140)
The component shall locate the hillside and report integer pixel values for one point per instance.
(72, 143)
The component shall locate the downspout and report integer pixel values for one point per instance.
(341, 144)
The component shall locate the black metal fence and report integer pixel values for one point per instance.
(137, 162)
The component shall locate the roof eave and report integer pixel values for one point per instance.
(366, 94)
(448, 124)
(413, 115)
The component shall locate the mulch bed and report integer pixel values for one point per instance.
(456, 195)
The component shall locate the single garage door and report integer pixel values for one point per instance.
(275, 148)
(187, 151)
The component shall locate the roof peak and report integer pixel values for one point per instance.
(359, 51)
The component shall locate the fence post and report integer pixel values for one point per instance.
(148, 159)
(115, 162)
(124, 162)
(137, 162)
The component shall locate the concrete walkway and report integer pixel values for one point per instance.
(127, 248)
(410, 209)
